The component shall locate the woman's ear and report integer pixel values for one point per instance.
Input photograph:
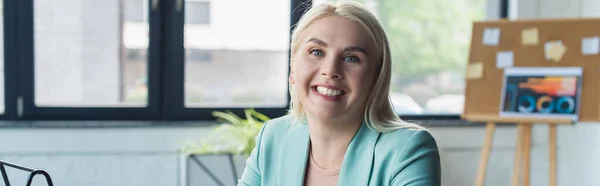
(291, 78)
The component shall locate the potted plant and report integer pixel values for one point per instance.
(220, 155)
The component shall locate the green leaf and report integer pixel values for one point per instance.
(260, 116)
(249, 117)
(236, 135)
(228, 117)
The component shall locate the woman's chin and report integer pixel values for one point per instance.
(327, 115)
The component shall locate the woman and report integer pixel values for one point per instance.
(341, 129)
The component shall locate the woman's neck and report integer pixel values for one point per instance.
(329, 141)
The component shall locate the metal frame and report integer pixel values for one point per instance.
(32, 174)
(210, 174)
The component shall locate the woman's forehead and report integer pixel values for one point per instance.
(335, 30)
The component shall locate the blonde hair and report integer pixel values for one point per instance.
(378, 112)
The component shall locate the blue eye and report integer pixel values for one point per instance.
(352, 59)
(316, 52)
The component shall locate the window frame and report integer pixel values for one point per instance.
(503, 13)
(174, 102)
(166, 80)
(27, 110)
(11, 57)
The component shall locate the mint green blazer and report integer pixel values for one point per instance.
(405, 157)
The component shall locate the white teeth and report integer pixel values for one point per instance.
(328, 92)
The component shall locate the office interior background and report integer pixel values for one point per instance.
(108, 92)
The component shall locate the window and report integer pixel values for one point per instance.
(243, 54)
(135, 10)
(82, 54)
(133, 59)
(85, 60)
(429, 41)
(145, 59)
(239, 60)
(198, 56)
(197, 12)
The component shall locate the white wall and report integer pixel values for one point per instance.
(116, 156)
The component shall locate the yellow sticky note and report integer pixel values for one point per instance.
(529, 36)
(555, 51)
(475, 70)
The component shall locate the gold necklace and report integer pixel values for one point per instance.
(315, 162)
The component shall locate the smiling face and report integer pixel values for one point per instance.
(333, 69)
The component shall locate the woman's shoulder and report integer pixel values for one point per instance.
(278, 125)
(410, 156)
(408, 133)
(407, 139)
(276, 128)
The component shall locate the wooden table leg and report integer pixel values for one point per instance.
(552, 154)
(527, 154)
(485, 153)
(518, 153)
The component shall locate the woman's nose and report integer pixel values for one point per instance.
(331, 69)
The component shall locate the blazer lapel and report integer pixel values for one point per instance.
(293, 156)
(358, 160)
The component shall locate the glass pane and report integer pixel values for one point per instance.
(91, 53)
(236, 56)
(429, 41)
(1, 57)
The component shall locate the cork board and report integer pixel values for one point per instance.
(484, 83)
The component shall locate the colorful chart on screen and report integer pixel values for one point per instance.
(549, 92)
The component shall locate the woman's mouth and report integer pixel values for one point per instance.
(328, 93)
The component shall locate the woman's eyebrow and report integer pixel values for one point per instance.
(317, 41)
(347, 49)
(356, 49)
